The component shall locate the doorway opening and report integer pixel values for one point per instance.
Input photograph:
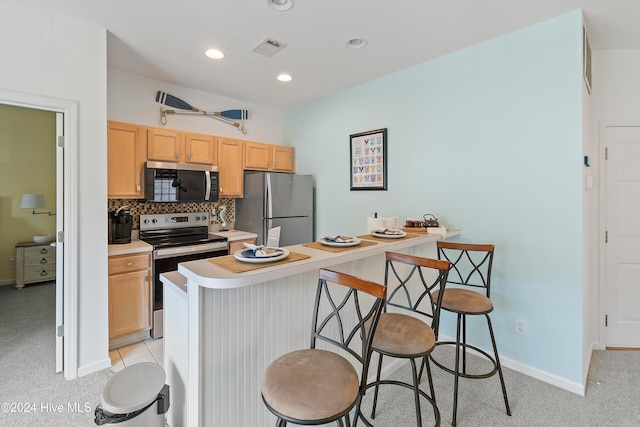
(65, 138)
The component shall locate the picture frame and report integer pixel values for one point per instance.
(368, 160)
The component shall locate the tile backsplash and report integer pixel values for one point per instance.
(140, 207)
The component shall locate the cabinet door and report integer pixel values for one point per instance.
(257, 156)
(230, 160)
(283, 158)
(201, 149)
(164, 145)
(126, 153)
(129, 303)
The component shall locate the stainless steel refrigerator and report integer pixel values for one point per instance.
(277, 200)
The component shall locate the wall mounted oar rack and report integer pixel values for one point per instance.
(164, 112)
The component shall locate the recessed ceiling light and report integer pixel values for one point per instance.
(214, 54)
(284, 77)
(357, 43)
(280, 5)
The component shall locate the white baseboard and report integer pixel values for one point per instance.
(7, 282)
(94, 367)
(532, 372)
(525, 369)
(544, 376)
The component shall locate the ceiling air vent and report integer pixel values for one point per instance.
(269, 47)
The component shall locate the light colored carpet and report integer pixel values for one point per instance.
(34, 393)
(27, 378)
(612, 398)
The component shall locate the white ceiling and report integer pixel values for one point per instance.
(166, 40)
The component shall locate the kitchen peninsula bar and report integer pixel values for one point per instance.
(223, 328)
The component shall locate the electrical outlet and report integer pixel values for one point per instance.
(521, 327)
(11, 260)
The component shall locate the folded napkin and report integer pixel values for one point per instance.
(261, 251)
(391, 231)
(339, 239)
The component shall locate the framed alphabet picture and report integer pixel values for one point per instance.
(369, 160)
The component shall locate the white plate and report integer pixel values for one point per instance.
(355, 242)
(274, 252)
(260, 260)
(389, 236)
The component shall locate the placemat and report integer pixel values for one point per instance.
(318, 245)
(385, 239)
(233, 265)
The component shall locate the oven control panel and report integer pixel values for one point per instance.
(173, 220)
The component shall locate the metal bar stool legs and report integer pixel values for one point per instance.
(416, 389)
(495, 351)
(404, 331)
(457, 372)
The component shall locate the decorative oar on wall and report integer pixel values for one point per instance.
(227, 116)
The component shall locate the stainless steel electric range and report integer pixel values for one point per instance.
(176, 238)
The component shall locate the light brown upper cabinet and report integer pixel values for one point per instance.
(164, 145)
(126, 154)
(230, 164)
(259, 156)
(201, 149)
(283, 158)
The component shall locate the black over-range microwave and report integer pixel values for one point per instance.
(177, 182)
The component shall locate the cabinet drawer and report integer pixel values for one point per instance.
(39, 251)
(38, 274)
(126, 263)
(37, 260)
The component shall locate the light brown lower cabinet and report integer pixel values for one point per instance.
(130, 299)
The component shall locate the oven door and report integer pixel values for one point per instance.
(166, 260)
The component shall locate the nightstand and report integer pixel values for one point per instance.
(35, 262)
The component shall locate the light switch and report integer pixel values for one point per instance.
(588, 182)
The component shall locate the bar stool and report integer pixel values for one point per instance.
(403, 333)
(317, 386)
(471, 267)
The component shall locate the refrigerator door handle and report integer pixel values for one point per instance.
(269, 201)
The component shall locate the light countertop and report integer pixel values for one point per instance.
(135, 246)
(232, 235)
(208, 275)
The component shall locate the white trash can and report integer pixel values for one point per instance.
(135, 397)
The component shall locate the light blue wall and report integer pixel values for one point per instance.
(489, 140)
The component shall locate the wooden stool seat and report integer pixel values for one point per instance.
(465, 301)
(286, 385)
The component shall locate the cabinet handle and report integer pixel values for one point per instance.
(177, 155)
(138, 188)
(129, 264)
(189, 156)
(43, 273)
(43, 261)
(44, 251)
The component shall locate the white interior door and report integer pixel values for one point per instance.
(622, 222)
(59, 242)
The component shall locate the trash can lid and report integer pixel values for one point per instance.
(133, 388)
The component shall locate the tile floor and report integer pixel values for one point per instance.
(150, 350)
